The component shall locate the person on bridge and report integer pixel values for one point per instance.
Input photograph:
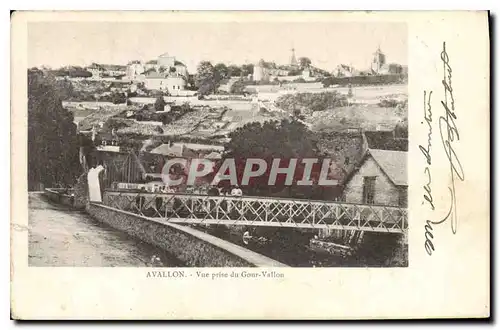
(236, 191)
(140, 199)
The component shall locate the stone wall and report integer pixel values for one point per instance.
(81, 192)
(386, 193)
(190, 246)
(58, 196)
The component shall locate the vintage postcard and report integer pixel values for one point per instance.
(250, 165)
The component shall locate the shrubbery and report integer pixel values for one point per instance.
(307, 103)
(118, 98)
(366, 80)
(388, 103)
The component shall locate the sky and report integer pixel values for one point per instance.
(327, 44)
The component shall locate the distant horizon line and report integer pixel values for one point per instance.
(211, 61)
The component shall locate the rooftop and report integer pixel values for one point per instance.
(393, 163)
(177, 150)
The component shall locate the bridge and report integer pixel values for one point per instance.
(260, 211)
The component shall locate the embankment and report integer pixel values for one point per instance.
(192, 247)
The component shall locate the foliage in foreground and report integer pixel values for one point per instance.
(52, 138)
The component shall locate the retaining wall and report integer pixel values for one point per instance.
(190, 246)
(57, 196)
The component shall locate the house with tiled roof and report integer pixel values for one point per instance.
(381, 178)
(174, 150)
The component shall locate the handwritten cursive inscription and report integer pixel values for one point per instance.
(426, 151)
(450, 135)
(429, 245)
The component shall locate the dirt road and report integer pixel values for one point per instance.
(59, 236)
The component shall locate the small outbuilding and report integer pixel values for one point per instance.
(380, 178)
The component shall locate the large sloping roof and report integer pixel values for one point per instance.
(176, 150)
(393, 163)
(166, 149)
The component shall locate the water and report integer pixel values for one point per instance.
(59, 236)
(291, 247)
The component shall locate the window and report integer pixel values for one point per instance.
(369, 189)
(403, 196)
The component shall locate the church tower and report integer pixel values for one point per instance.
(258, 71)
(378, 60)
(293, 60)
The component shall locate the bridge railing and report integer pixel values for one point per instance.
(260, 211)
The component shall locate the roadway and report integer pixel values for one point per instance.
(59, 236)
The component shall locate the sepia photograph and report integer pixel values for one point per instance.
(218, 144)
(209, 165)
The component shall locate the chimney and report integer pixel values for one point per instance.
(364, 145)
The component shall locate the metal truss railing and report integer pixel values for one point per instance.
(260, 211)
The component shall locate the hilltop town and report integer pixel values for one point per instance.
(157, 108)
(300, 162)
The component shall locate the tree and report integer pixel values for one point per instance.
(267, 65)
(273, 139)
(52, 139)
(221, 71)
(118, 98)
(234, 71)
(304, 62)
(160, 104)
(78, 72)
(206, 80)
(238, 87)
(246, 69)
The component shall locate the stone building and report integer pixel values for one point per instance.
(162, 81)
(378, 62)
(166, 60)
(164, 64)
(380, 178)
(259, 72)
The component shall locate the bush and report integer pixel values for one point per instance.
(238, 87)
(160, 104)
(307, 103)
(294, 72)
(118, 98)
(78, 73)
(392, 103)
